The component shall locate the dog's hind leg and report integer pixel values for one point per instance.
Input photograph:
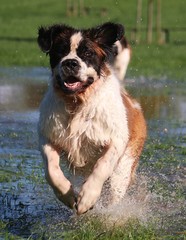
(54, 175)
(124, 172)
(121, 177)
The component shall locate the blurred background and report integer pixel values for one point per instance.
(155, 29)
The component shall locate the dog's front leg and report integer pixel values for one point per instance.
(91, 189)
(55, 177)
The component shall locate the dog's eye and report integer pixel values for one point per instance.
(88, 53)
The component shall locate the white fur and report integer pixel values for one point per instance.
(96, 121)
(137, 105)
(122, 174)
(75, 40)
(85, 71)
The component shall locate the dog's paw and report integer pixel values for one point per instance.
(69, 199)
(88, 195)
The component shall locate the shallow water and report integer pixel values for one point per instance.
(26, 199)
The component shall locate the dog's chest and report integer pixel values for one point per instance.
(86, 135)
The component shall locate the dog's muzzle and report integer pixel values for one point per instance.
(70, 67)
(69, 81)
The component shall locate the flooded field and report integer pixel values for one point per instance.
(28, 206)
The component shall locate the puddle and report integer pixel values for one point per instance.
(26, 199)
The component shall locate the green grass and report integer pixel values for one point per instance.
(157, 61)
(97, 229)
(91, 227)
(20, 19)
(94, 228)
(161, 155)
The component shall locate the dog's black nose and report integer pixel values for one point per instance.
(70, 66)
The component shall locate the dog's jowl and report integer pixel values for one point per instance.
(88, 115)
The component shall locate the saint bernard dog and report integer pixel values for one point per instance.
(87, 115)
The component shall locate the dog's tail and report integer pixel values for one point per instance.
(122, 56)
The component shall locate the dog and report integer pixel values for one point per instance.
(86, 114)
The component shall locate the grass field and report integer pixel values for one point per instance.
(19, 21)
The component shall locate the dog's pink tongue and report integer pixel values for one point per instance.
(72, 85)
(72, 82)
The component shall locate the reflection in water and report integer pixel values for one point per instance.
(160, 102)
(23, 97)
(156, 103)
(154, 106)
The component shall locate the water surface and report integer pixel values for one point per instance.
(26, 199)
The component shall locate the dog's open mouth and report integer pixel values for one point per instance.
(73, 84)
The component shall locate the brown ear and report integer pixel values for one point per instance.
(107, 34)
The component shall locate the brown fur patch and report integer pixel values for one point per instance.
(137, 129)
(99, 51)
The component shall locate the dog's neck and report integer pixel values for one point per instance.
(74, 101)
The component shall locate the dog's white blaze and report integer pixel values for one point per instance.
(75, 40)
(74, 43)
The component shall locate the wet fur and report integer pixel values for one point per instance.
(95, 122)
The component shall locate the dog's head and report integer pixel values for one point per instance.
(79, 57)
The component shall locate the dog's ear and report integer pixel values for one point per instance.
(107, 34)
(45, 38)
(47, 35)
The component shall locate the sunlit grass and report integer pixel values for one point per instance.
(92, 227)
(97, 229)
(153, 60)
(158, 61)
